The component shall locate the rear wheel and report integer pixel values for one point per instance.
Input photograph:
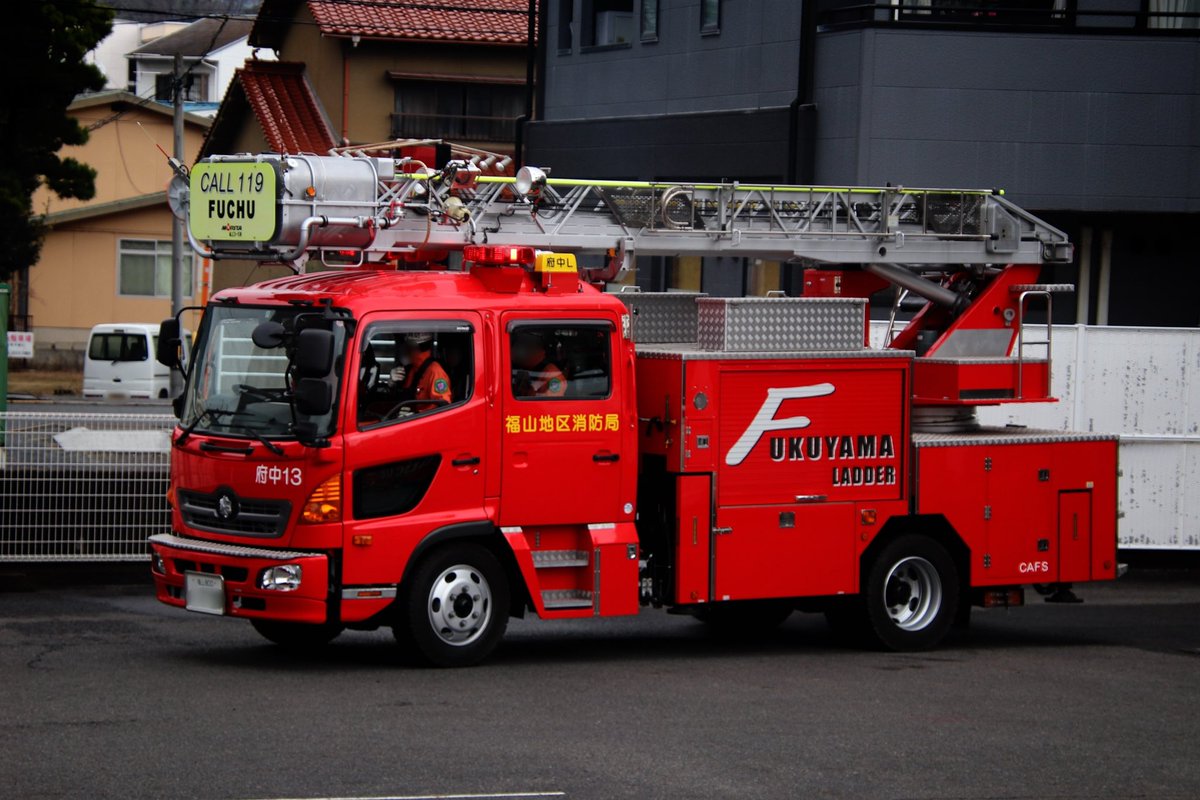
(456, 606)
(296, 635)
(911, 594)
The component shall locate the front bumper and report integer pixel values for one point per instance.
(240, 567)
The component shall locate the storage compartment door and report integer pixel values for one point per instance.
(1074, 536)
(784, 551)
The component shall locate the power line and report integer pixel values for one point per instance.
(176, 83)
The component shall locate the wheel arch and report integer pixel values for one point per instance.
(933, 526)
(482, 532)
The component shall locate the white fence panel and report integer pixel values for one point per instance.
(82, 487)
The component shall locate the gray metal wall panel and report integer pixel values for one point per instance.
(1089, 123)
(752, 63)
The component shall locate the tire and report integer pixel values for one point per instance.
(911, 594)
(296, 635)
(455, 607)
(744, 618)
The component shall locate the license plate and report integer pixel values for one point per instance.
(204, 593)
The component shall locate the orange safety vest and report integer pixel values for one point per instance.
(427, 380)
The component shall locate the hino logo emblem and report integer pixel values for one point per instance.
(226, 507)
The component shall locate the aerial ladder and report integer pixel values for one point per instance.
(972, 255)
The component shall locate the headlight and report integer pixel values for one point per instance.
(285, 578)
(157, 564)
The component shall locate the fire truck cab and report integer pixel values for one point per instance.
(438, 450)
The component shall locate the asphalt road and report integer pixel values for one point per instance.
(103, 693)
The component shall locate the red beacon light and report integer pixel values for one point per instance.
(505, 267)
(499, 256)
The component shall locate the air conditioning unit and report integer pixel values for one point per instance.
(614, 27)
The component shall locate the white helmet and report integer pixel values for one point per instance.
(418, 339)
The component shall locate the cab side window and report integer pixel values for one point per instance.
(411, 369)
(570, 361)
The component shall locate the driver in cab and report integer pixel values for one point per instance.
(534, 375)
(419, 376)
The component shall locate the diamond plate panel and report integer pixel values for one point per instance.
(770, 324)
(662, 316)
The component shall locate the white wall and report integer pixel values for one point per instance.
(1137, 383)
(109, 54)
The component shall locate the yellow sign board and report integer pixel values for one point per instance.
(232, 201)
(555, 262)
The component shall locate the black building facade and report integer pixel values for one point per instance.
(1084, 111)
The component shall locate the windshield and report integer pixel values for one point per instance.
(239, 389)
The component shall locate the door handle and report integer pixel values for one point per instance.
(811, 498)
(603, 458)
(469, 461)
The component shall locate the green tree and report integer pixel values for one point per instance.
(42, 49)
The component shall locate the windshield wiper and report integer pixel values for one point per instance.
(267, 443)
(191, 426)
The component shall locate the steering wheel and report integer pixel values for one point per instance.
(261, 395)
(433, 402)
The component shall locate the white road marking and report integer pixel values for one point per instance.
(493, 796)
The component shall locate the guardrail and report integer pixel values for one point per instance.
(82, 487)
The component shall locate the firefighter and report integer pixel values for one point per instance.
(534, 375)
(420, 376)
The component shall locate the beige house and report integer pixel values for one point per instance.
(109, 259)
(389, 69)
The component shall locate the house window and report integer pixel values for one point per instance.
(195, 87)
(1166, 14)
(566, 18)
(649, 20)
(144, 269)
(465, 111)
(607, 22)
(710, 16)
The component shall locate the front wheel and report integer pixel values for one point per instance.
(456, 606)
(911, 594)
(296, 635)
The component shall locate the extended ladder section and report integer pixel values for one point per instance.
(379, 208)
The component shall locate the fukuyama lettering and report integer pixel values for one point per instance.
(847, 452)
(764, 421)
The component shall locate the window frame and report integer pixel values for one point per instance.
(380, 327)
(189, 268)
(710, 27)
(648, 35)
(605, 325)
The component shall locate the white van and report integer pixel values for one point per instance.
(120, 362)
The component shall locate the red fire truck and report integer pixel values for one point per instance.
(438, 449)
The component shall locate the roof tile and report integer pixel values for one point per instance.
(283, 101)
(484, 21)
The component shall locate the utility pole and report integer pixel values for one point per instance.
(176, 222)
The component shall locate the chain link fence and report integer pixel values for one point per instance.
(82, 487)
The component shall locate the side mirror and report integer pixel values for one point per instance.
(314, 353)
(167, 352)
(268, 335)
(313, 397)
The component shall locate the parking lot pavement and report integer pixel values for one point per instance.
(107, 694)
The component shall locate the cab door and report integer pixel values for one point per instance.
(562, 455)
(411, 467)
